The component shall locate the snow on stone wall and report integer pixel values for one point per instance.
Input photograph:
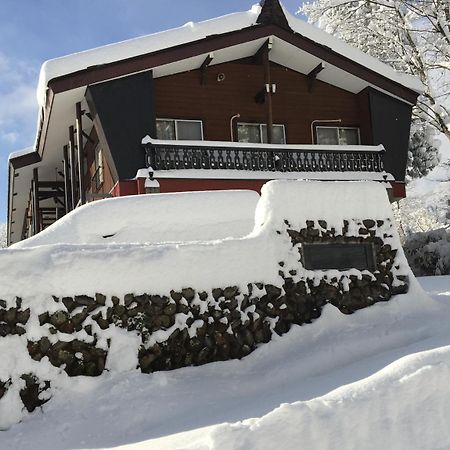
(79, 309)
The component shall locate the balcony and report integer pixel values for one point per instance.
(238, 156)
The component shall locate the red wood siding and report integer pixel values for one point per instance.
(182, 96)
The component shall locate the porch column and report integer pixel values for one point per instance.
(79, 125)
(67, 193)
(268, 91)
(35, 201)
(73, 175)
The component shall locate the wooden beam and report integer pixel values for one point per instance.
(268, 93)
(204, 68)
(313, 75)
(79, 118)
(67, 195)
(73, 173)
(35, 201)
(88, 137)
(263, 50)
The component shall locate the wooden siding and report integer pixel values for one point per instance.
(182, 96)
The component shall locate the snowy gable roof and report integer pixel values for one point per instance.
(189, 32)
(192, 32)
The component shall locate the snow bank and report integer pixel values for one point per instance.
(119, 268)
(117, 409)
(194, 302)
(154, 218)
(405, 405)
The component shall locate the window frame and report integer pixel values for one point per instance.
(261, 125)
(337, 129)
(175, 121)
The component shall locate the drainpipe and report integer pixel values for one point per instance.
(236, 116)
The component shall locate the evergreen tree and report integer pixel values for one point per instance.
(423, 154)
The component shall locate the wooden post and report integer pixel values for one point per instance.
(73, 174)
(35, 202)
(79, 125)
(67, 194)
(268, 93)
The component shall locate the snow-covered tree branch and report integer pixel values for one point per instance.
(413, 36)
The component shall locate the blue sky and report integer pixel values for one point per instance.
(32, 31)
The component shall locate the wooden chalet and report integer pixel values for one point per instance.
(223, 104)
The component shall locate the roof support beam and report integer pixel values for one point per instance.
(263, 50)
(204, 68)
(79, 116)
(268, 90)
(35, 201)
(313, 75)
(73, 174)
(67, 195)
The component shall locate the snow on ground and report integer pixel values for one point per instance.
(374, 379)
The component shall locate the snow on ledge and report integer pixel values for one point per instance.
(147, 140)
(229, 174)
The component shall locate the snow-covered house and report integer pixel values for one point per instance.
(227, 103)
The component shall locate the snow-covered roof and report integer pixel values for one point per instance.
(191, 32)
(18, 153)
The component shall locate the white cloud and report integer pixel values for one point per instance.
(18, 105)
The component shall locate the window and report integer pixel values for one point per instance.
(257, 133)
(174, 129)
(337, 135)
(97, 179)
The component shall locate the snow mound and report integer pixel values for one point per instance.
(154, 218)
(374, 379)
(381, 411)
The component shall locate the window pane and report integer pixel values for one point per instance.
(348, 136)
(190, 131)
(165, 129)
(249, 133)
(327, 136)
(277, 134)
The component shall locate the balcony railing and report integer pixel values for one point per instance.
(176, 155)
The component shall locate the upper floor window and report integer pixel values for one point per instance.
(337, 135)
(175, 129)
(257, 133)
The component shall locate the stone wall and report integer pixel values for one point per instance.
(191, 327)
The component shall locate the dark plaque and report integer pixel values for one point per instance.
(338, 256)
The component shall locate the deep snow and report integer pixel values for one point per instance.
(374, 379)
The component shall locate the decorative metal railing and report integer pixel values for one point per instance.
(165, 155)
